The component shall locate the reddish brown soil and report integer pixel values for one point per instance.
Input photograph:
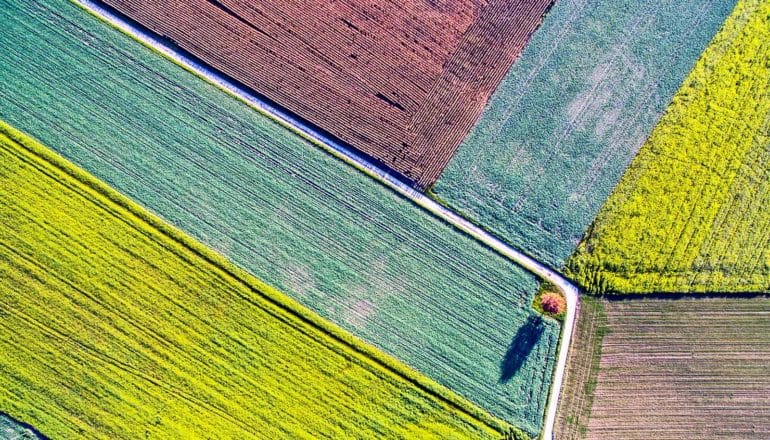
(402, 81)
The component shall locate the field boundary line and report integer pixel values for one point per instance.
(388, 179)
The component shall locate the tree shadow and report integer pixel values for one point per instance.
(521, 346)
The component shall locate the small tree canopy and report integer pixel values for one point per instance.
(552, 302)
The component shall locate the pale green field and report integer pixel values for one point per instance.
(564, 124)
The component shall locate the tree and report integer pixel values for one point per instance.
(553, 303)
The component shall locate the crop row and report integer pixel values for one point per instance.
(690, 215)
(690, 368)
(278, 206)
(571, 114)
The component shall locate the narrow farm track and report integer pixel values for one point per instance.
(391, 181)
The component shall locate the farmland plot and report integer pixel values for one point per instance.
(115, 325)
(691, 214)
(690, 368)
(401, 81)
(571, 114)
(278, 206)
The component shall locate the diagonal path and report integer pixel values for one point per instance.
(390, 180)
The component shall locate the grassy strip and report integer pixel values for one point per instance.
(145, 235)
(582, 370)
(690, 214)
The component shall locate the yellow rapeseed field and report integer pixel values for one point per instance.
(115, 325)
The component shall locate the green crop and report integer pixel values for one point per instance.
(571, 114)
(691, 213)
(13, 430)
(115, 325)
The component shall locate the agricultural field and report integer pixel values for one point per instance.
(113, 324)
(177, 262)
(685, 368)
(691, 213)
(402, 82)
(571, 114)
(686, 357)
(278, 206)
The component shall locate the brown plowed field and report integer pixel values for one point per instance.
(402, 81)
(690, 368)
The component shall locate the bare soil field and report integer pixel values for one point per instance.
(582, 368)
(402, 82)
(689, 368)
